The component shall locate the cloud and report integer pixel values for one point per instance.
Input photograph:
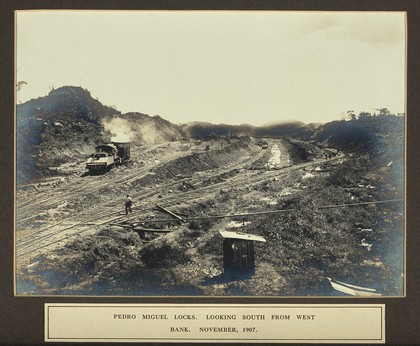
(372, 28)
(320, 23)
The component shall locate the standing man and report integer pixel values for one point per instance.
(128, 203)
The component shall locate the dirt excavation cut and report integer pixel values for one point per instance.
(315, 211)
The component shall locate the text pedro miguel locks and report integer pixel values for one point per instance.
(228, 322)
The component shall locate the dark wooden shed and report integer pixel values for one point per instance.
(238, 254)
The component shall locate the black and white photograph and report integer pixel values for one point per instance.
(210, 153)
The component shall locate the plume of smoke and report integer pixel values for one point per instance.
(120, 129)
(150, 134)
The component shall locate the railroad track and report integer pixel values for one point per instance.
(27, 212)
(37, 238)
(34, 243)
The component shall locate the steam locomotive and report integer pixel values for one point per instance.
(107, 156)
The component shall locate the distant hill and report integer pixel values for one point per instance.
(208, 130)
(361, 134)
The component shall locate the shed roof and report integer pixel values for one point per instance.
(241, 235)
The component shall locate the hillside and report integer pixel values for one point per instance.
(381, 137)
(141, 129)
(65, 124)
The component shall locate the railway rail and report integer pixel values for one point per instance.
(32, 212)
(34, 243)
(44, 200)
(26, 210)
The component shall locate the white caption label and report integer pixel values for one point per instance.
(280, 323)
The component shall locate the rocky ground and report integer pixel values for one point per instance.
(71, 236)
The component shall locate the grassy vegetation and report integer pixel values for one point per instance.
(360, 244)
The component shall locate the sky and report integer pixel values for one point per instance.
(232, 67)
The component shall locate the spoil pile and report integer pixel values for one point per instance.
(229, 154)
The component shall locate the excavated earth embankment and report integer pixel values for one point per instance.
(227, 155)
